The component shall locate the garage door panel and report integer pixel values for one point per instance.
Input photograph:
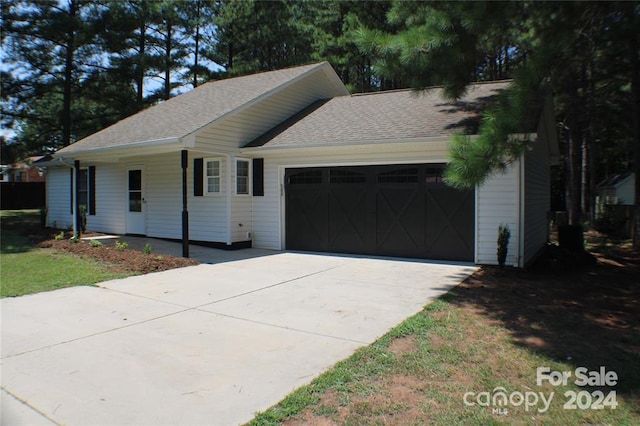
(401, 210)
(399, 224)
(449, 223)
(347, 229)
(306, 200)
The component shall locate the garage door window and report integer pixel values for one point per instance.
(434, 175)
(311, 177)
(346, 176)
(408, 175)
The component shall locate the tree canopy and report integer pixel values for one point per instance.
(73, 67)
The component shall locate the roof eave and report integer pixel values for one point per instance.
(127, 150)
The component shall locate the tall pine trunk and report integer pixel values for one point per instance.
(167, 61)
(140, 71)
(68, 75)
(197, 46)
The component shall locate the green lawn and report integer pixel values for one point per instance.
(27, 269)
(420, 372)
(489, 336)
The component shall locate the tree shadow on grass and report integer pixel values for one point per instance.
(21, 231)
(587, 318)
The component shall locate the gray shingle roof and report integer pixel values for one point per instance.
(188, 112)
(379, 116)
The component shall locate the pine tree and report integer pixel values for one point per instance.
(49, 50)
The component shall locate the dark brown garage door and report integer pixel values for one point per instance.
(399, 210)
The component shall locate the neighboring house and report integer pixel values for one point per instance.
(617, 189)
(289, 160)
(23, 171)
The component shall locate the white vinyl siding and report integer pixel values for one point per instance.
(239, 129)
(59, 197)
(625, 191)
(498, 203)
(111, 199)
(207, 215)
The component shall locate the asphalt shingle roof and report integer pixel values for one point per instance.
(379, 116)
(188, 112)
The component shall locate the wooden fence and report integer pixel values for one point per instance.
(22, 195)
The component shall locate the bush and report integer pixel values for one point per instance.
(83, 218)
(503, 242)
(95, 243)
(147, 249)
(60, 236)
(122, 246)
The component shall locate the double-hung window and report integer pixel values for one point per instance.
(242, 177)
(86, 189)
(212, 176)
(83, 189)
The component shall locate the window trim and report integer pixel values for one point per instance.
(205, 177)
(248, 177)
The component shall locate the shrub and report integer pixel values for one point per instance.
(147, 249)
(95, 243)
(503, 242)
(83, 218)
(122, 246)
(60, 236)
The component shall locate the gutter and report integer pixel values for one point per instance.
(363, 143)
(107, 149)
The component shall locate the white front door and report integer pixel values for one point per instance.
(136, 205)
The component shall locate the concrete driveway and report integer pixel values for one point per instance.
(204, 345)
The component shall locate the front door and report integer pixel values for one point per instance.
(136, 223)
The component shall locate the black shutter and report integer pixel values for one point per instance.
(198, 178)
(71, 189)
(92, 190)
(258, 177)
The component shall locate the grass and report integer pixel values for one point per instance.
(420, 371)
(27, 269)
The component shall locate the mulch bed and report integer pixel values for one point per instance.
(127, 259)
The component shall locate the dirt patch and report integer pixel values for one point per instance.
(403, 345)
(127, 259)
